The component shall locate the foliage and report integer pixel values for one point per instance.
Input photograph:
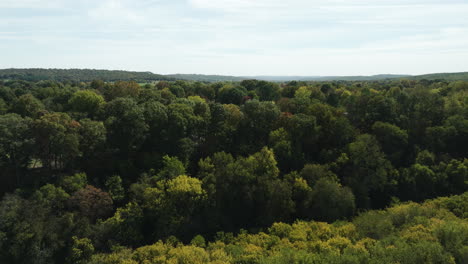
(91, 202)
(86, 101)
(406, 233)
(77, 75)
(104, 172)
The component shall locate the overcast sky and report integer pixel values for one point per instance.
(237, 37)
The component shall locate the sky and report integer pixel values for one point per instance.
(237, 37)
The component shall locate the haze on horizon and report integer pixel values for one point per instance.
(237, 37)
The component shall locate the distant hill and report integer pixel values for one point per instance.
(87, 75)
(457, 76)
(271, 78)
(84, 75)
(329, 78)
(206, 78)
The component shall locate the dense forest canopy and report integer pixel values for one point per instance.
(233, 172)
(432, 232)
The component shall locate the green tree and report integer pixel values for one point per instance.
(125, 124)
(28, 106)
(232, 95)
(173, 205)
(369, 174)
(247, 191)
(86, 101)
(312, 173)
(56, 140)
(302, 98)
(329, 201)
(367, 108)
(456, 177)
(3, 106)
(92, 137)
(394, 141)
(268, 91)
(81, 251)
(172, 167)
(424, 109)
(125, 227)
(115, 188)
(122, 89)
(281, 144)
(420, 182)
(156, 118)
(97, 84)
(16, 144)
(73, 183)
(32, 231)
(335, 130)
(52, 197)
(259, 119)
(182, 120)
(305, 133)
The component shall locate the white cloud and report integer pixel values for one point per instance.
(233, 5)
(114, 11)
(22, 4)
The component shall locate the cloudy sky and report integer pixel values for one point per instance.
(237, 37)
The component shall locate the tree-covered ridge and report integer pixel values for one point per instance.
(458, 76)
(378, 77)
(432, 232)
(79, 75)
(207, 78)
(87, 75)
(90, 168)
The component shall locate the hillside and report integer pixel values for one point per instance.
(85, 75)
(458, 76)
(206, 78)
(328, 78)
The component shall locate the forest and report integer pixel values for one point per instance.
(88, 75)
(79, 75)
(172, 171)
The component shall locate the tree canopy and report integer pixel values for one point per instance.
(116, 171)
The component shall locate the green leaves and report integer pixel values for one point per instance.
(28, 106)
(368, 172)
(177, 162)
(81, 251)
(86, 101)
(57, 140)
(171, 168)
(115, 188)
(16, 140)
(125, 123)
(172, 204)
(406, 233)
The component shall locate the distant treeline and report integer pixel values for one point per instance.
(79, 75)
(458, 76)
(87, 75)
(207, 78)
